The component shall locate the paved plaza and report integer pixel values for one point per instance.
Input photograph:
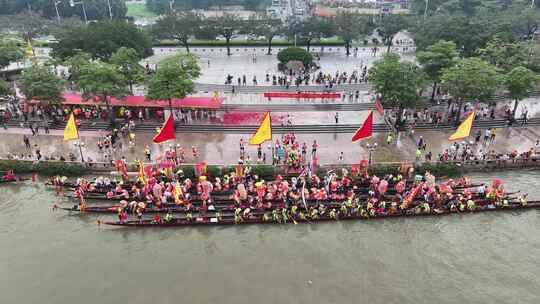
(253, 61)
(220, 148)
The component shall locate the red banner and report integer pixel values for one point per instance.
(308, 95)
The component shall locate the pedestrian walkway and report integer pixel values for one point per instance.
(223, 148)
(271, 88)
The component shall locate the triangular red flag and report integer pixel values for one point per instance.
(167, 131)
(366, 129)
(379, 107)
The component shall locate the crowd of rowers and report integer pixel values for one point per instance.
(304, 197)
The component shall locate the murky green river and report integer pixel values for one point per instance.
(54, 257)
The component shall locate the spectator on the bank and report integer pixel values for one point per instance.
(26, 141)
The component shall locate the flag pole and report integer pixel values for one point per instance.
(80, 150)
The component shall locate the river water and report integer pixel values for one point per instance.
(54, 257)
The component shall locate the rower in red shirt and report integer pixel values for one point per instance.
(9, 176)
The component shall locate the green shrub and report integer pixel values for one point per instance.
(263, 171)
(189, 170)
(295, 54)
(382, 170)
(213, 170)
(44, 168)
(439, 170)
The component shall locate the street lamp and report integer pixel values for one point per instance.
(371, 148)
(176, 147)
(56, 8)
(110, 10)
(73, 3)
(80, 144)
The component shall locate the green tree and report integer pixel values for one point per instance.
(75, 64)
(269, 28)
(472, 79)
(226, 26)
(10, 51)
(418, 7)
(5, 89)
(437, 57)
(104, 81)
(310, 30)
(95, 9)
(398, 83)
(469, 34)
(41, 83)
(127, 61)
(519, 82)
(179, 26)
(27, 25)
(504, 55)
(389, 26)
(295, 54)
(351, 26)
(174, 78)
(99, 10)
(101, 40)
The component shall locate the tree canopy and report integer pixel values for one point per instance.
(180, 26)
(508, 55)
(101, 40)
(471, 79)
(27, 25)
(519, 82)
(295, 54)
(351, 26)
(310, 30)
(441, 55)
(174, 78)
(10, 51)
(95, 9)
(472, 23)
(389, 26)
(398, 83)
(226, 26)
(41, 83)
(103, 80)
(266, 27)
(5, 89)
(127, 62)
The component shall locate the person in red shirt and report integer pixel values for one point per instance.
(156, 219)
(314, 147)
(9, 176)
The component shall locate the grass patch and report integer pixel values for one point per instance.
(139, 10)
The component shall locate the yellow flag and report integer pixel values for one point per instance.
(264, 132)
(70, 132)
(464, 128)
(178, 195)
(142, 177)
(29, 51)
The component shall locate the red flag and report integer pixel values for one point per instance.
(167, 131)
(379, 107)
(414, 192)
(365, 130)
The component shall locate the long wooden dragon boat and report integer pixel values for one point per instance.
(258, 218)
(222, 207)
